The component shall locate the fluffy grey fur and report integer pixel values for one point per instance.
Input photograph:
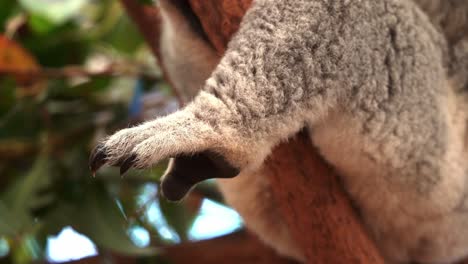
(381, 86)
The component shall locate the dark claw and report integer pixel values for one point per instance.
(127, 164)
(98, 158)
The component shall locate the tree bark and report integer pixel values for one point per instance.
(235, 248)
(239, 247)
(318, 212)
(220, 19)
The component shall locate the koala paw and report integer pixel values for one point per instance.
(193, 145)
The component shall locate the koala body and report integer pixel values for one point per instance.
(379, 84)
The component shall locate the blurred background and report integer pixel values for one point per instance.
(72, 72)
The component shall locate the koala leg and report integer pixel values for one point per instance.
(284, 68)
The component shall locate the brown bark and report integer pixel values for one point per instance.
(235, 248)
(317, 210)
(240, 247)
(100, 260)
(220, 19)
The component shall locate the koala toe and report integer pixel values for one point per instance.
(127, 163)
(97, 158)
(117, 150)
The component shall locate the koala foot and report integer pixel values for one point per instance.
(192, 144)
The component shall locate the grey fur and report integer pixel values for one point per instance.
(379, 83)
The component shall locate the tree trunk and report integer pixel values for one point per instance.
(310, 196)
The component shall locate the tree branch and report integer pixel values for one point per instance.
(220, 19)
(77, 71)
(238, 247)
(148, 21)
(317, 210)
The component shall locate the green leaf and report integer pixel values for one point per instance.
(9, 225)
(58, 46)
(7, 9)
(24, 196)
(40, 24)
(7, 96)
(124, 36)
(101, 220)
(56, 11)
(93, 85)
(21, 121)
(28, 192)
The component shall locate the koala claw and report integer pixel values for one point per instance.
(127, 164)
(98, 158)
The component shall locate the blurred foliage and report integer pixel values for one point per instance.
(49, 123)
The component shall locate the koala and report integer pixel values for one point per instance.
(380, 85)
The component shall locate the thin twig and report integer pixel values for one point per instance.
(77, 71)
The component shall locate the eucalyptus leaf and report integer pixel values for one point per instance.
(57, 11)
(21, 121)
(100, 219)
(7, 9)
(9, 225)
(7, 98)
(124, 36)
(40, 24)
(25, 195)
